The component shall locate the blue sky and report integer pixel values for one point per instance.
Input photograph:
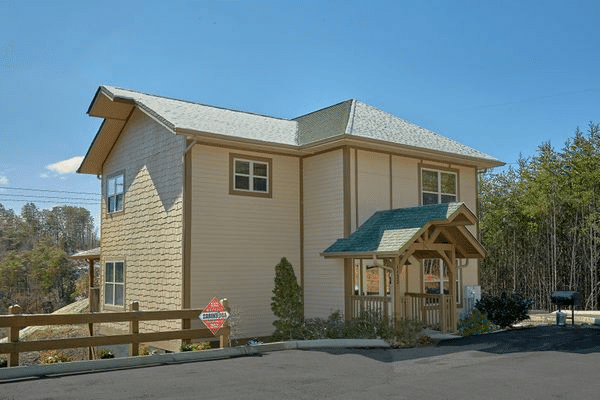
(501, 77)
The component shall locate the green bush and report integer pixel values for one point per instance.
(504, 310)
(107, 353)
(286, 302)
(368, 325)
(54, 357)
(475, 324)
(194, 346)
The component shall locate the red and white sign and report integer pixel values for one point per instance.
(214, 315)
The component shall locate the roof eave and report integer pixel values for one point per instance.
(212, 138)
(401, 149)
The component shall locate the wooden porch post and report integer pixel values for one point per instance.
(449, 257)
(348, 287)
(451, 262)
(396, 282)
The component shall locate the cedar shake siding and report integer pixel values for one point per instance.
(147, 235)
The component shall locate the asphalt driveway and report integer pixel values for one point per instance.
(535, 363)
(570, 339)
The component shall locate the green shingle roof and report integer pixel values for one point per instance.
(391, 230)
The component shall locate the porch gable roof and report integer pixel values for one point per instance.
(390, 233)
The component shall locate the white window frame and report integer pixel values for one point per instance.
(439, 193)
(113, 284)
(252, 188)
(114, 189)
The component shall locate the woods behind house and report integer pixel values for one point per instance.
(34, 269)
(540, 222)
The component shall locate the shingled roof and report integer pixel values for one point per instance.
(355, 118)
(350, 119)
(391, 231)
(179, 114)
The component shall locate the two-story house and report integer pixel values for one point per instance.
(198, 201)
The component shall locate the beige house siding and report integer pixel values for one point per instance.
(147, 234)
(323, 225)
(468, 193)
(372, 179)
(237, 240)
(405, 182)
(373, 191)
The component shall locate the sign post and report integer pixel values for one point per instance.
(214, 315)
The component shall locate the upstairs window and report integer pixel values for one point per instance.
(438, 187)
(114, 283)
(114, 193)
(250, 176)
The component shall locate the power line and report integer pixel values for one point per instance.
(51, 197)
(46, 190)
(49, 201)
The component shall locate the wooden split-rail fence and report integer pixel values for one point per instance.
(15, 321)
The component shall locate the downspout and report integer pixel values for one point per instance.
(189, 147)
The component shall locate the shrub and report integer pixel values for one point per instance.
(286, 302)
(3, 362)
(475, 324)
(54, 357)
(107, 353)
(334, 327)
(147, 351)
(194, 346)
(504, 310)
(368, 325)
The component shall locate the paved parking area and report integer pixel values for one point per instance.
(535, 363)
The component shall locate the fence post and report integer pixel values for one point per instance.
(224, 338)
(13, 337)
(134, 329)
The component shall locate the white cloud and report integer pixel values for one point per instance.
(44, 175)
(3, 180)
(66, 166)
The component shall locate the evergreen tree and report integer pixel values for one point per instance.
(286, 302)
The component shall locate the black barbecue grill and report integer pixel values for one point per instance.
(565, 298)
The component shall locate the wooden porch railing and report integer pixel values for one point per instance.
(434, 310)
(378, 304)
(17, 321)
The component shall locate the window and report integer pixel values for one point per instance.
(370, 279)
(250, 176)
(114, 193)
(114, 283)
(435, 278)
(438, 186)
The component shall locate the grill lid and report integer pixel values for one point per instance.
(565, 297)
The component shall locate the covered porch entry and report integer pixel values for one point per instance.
(378, 257)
